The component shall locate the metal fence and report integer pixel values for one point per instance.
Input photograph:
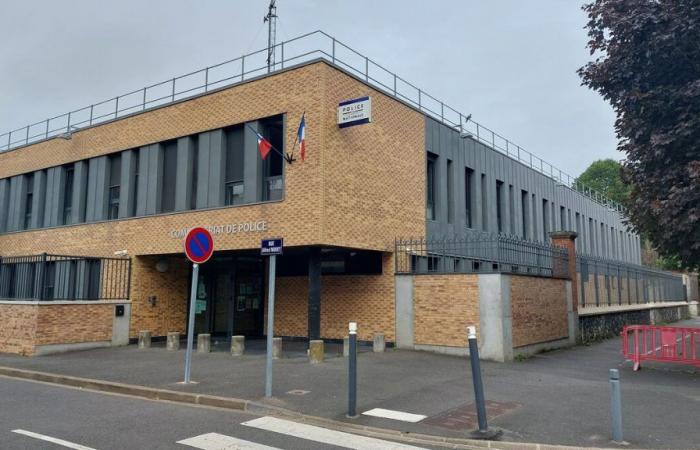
(478, 252)
(604, 282)
(58, 277)
(302, 49)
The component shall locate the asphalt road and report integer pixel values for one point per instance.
(35, 415)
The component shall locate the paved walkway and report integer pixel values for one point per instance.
(559, 397)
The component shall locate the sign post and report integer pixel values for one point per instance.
(199, 247)
(271, 248)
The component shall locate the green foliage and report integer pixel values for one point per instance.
(647, 65)
(605, 176)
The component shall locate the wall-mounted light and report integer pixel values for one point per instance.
(162, 265)
(121, 253)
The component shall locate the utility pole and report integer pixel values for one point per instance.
(271, 19)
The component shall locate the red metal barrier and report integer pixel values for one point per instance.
(666, 344)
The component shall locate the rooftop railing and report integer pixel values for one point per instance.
(302, 49)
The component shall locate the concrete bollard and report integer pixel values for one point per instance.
(316, 351)
(276, 348)
(173, 342)
(346, 346)
(144, 339)
(203, 343)
(379, 345)
(237, 345)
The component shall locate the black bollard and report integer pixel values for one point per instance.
(352, 370)
(483, 432)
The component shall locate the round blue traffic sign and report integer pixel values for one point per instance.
(199, 245)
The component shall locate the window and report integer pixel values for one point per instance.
(430, 188)
(545, 219)
(115, 174)
(234, 167)
(562, 218)
(29, 200)
(499, 205)
(511, 206)
(534, 217)
(136, 157)
(484, 206)
(49, 280)
(525, 212)
(195, 168)
(68, 196)
(591, 236)
(469, 196)
(167, 202)
(603, 243)
(450, 193)
(273, 166)
(579, 231)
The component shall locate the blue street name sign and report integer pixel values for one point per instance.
(269, 247)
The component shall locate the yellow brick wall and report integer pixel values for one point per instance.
(360, 187)
(443, 306)
(26, 326)
(365, 299)
(539, 309)
(18, 328)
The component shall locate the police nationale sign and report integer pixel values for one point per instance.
(355, 112)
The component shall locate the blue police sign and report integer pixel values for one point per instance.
(269, 247)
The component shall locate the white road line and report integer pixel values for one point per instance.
(325, 436)
(52, 440)
(394, 415)
(216, 441)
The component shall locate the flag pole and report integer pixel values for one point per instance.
(286, 158)
(296, 137)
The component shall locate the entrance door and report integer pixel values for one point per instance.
(248, 298)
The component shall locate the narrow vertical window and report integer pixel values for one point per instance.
(499, 205)
(234, 166)
(167, 203)
(430, 188)
(545, 219)
(525, 213)
(603, 244)
(136, 158)
(534, 217)
(195, 168)
(115, 173)
(591, 237)
(511, 208)
(484, 204)
(562, 218)
(29, 201)
(68, 196)
(469, 196)
(450, 193)
(579, 231)
(273, 166)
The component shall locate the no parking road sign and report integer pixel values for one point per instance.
(199, 245)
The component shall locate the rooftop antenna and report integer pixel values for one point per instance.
(271, 19)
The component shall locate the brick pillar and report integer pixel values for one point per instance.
(567, 239)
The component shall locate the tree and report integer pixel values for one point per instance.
(647, 65)
(605, 177)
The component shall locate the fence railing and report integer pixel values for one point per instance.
(302, 49)
(604, 282)
(59, 277)
(478, 252)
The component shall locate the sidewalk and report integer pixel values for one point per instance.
(558, 397)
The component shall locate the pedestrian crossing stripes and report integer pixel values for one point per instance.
(394, 415)
(53, 440)
(323, 435)
(216, 441)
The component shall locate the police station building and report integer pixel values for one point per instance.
(404, 216)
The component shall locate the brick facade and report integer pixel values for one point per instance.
(444, 305)
(358, 188)
(26, 326)
(539, 310)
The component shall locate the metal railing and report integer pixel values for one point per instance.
(59, 277)
(604, 282)
(480, 252)
(302, 49)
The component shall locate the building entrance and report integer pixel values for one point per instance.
(230, 297)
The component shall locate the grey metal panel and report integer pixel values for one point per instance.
(39, 199)
(16, 208)
(127, 208)
(96, 208)
(185, 166)
(154, 175)
(80, 177)
(252, 177)
(55, 184)
(142, 190)
(4, 203)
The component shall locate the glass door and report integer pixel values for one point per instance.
(248, 298)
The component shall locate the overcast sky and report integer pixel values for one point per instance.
(512, 64)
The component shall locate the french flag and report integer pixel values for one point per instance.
(301, 137)
(264, 146)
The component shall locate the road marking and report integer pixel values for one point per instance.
(216, 441)
(325, 436)
(52, 440)
(394, 415)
